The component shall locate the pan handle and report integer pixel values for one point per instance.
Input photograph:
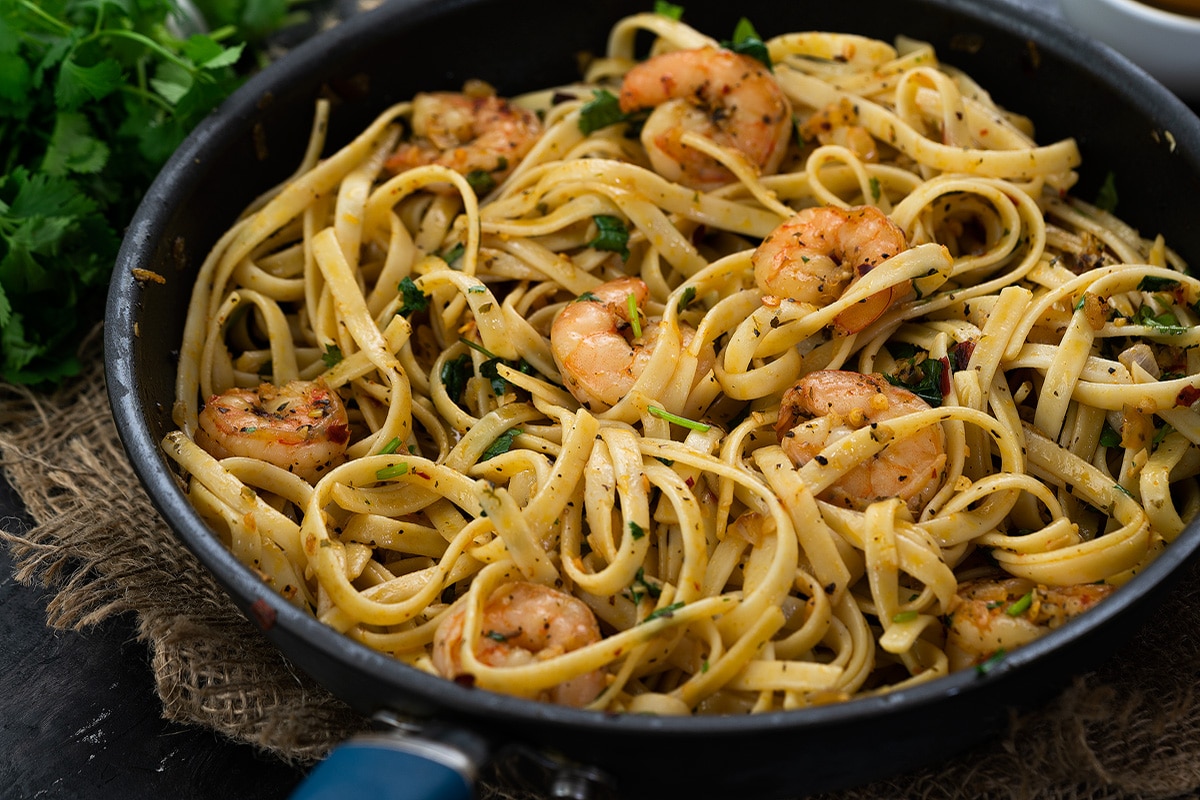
(395, 767)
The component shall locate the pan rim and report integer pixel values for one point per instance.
(156, 476)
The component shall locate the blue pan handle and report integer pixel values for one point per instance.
(392, 767)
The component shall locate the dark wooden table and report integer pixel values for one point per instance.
(79, 716)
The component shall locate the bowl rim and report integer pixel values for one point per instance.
(1159, 17)
(157, 477)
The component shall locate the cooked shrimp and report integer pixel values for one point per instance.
(827, 405)
(524, 622)
(818, 253)
(477, 136)
(301, 426)
(989, 616)
(595, 346)
(837, 123)
(731, 98)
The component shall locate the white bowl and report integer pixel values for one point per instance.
(1165, 44)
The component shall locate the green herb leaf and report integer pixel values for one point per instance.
(636, 531)
(95, 96)
(332, 355)
(922, 376)
(414, 298)
(1106, 197)
(692, 424)
(747, 42)
(635, 317)
(1165, 323)
(1108, 436)
(665, 9)
(455, 253)
(993, 661)
(602, 110)
(685, 299)
(612, 235)
(1020, 606)
(1153, 283)
(393, 471)
(665, 611)
(455, 373)
(502, 444)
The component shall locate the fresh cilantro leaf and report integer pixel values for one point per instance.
(414, 298)
(747, 42)
(612, 235)
(455, 373)
(1109, 437)
(95, 95)
(671, 10)
(602, 110)
(924, 377)
(502, 444)
(332, 355)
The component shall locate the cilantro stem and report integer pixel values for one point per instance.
(37, 11)
(480, 348)
(634, 318)
(662, 413)
(1020, 606)
(148, 43)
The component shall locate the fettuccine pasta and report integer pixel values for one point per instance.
(731, 378)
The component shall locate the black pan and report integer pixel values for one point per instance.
(1124, 122)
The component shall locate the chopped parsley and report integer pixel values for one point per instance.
(685, 299)
(502, 444)
(393, 471)
(636, 531)
(993, 661)
(692, 424)
(455, 373)
(665, 611)
(1153, 283)
(612, 235)
(665, 9)
(332, 355)
(747, 42)
(1020, 606)
(414, 298)
(635, 318)
(925, 377)
(602, 110)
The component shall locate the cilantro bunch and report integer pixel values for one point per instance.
(95, 95)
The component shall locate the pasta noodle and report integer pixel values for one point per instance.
(697, 386)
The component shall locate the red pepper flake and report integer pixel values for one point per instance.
(690, 481)
(263, 614)
(944, 377)
(420, 474)
(1187, 395)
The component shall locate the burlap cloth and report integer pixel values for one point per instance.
(1129, 730)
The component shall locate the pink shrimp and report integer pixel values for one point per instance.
(990, 616)
(598, 350)
(482, 137)
(301, 426)
(731, 98)
(827, 405)
(522, 623)
(818, 253)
